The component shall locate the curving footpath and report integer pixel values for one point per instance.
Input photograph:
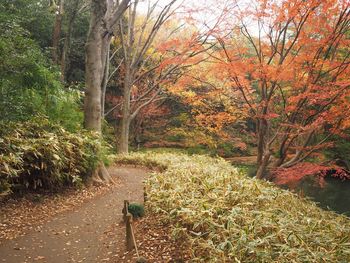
(92, 232)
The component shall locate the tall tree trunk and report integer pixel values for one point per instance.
(261, 140)
(124, 135)
(101, 23)
(65, 54)
(263, 156)
(105, 82)
(262, 167)
(67, 40)
(264, 153)
(57, 32)
(95, 54)
(126, 115)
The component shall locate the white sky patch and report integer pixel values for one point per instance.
(207, 13)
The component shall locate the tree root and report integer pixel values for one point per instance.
(101, 175)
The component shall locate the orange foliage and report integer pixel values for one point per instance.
(293, 74)
(293, 176)
(284, 64)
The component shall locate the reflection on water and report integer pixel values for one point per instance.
(334, 196)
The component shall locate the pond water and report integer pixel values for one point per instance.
(335, 195)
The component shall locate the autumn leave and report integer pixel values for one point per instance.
(283, 64)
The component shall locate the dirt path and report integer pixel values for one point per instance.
(92, 232)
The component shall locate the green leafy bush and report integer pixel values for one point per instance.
(227, 217)
(137, 210)
(39, 154)
(34, 16)
(30, 85)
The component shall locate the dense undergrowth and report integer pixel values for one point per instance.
(227, 217)
(42, 142)
(39, 154)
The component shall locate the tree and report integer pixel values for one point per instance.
(292, 75)
(154, 55)
(72, 10)
(104, 16)
(135, 46)
(214, 105)
(56, 35)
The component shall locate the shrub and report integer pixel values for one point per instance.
(137, 210)
(39, 154)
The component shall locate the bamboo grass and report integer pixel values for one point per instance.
(226, 216)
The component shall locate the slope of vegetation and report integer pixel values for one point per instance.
(227, 217)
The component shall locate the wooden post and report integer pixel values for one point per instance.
(144, 194)
(125, 209)
(129, 235)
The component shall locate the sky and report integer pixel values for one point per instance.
(207, 11)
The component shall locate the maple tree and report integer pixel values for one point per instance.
(215, 123)
(291, 177)
(291, 70)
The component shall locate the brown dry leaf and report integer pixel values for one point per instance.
(20, 215)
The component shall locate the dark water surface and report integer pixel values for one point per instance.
(335, 195)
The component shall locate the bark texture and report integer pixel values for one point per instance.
(104, 14)
(102, 18)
